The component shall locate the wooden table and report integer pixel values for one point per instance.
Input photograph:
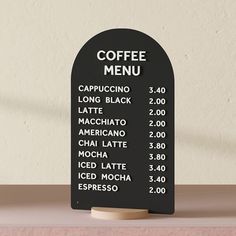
(45, 210)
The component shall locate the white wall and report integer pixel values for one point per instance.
(38, 43)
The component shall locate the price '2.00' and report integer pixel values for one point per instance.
(158, 190)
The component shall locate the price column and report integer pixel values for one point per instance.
(157, 143)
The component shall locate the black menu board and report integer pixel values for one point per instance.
(122, 124)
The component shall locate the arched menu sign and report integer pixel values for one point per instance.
(122, 124)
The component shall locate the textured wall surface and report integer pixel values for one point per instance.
(38, 43)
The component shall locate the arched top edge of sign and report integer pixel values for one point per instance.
(87, 43)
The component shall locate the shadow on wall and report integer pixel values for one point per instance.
(192, 201)
(40, 109)
(219, 144)
(26, 195)
(62, 114)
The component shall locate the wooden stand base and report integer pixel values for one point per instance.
(107, 213)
